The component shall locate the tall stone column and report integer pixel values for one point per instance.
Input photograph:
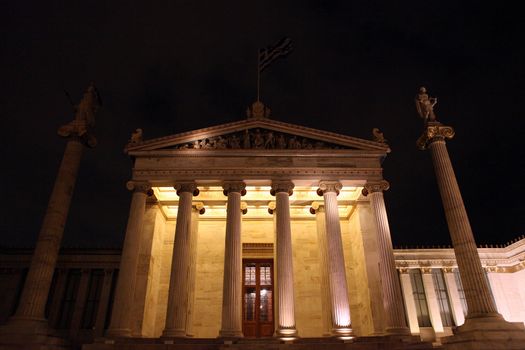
(282, 189)
(483, 324)
(178, 290)
(198, 209)
(392, 297)
(336, 262)
(120, 325)
(232, 286)
(477, 292)
(326, 307)
(29, 317)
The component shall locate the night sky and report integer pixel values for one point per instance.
(185, 65)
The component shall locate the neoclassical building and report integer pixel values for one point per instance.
(258, 229)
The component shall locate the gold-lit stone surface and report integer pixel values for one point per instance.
(358, 234)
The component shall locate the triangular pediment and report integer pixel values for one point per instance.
(257, 134)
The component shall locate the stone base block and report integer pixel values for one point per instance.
(487, 333)
(360, 343)
(30, 334)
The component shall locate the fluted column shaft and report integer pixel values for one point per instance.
(285, 290)
(232, 286)
(120, 318)
(326, 305)
(336, 263)
(477, 292)
(392, 297)
(36, 288)
(198, 209)
(178, 290)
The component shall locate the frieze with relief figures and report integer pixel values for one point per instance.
(257, 139)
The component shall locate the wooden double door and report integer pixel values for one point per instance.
(258, 296)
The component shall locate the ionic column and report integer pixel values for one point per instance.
(178, 290)
(232, 286)
(198, 209)
(410, 304)
(336, 263)
(326, 308)
(121, 314)
(432, 302)
(285, 292)
(477, 292)
(392, 298)
(29, 316)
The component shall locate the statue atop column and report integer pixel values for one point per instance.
(425, 105)
(84, 117)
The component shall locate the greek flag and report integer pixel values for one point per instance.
(281, 49)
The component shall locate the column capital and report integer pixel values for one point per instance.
(329, 186)
(316, 207)
(375, 186)
(403, 270)
(434, 131)
(187, 187)
(199, 206)
(139, 186)
(448, 269)
(282, 186)
(234, 186)
(426, 270)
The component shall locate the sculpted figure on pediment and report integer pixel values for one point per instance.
(258, 140)
(281, 142)
(246, 140)
(234, 142)
(270, 140)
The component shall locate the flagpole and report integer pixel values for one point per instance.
(258, 76)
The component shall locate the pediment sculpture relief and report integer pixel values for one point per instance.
(257, 139)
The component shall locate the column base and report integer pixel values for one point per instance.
(402, 331)
(230, 334)
(286, 334)
(31, 333)
(174, 333)
(118, 333)
(486, 333)
(343, 333)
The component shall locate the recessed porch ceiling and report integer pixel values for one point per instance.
(257, 200)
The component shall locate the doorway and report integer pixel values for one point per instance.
(257, 294)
